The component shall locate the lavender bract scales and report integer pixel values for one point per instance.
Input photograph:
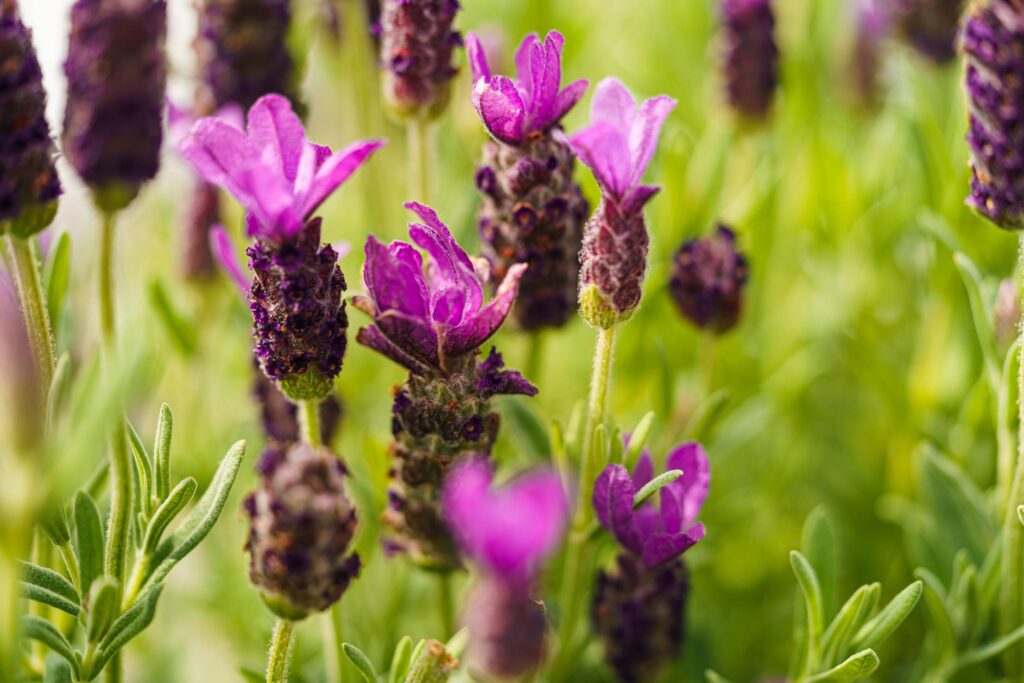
(993, 44)
(117, 76)
(750, 55)
(617, 147)
(639, 606)
(508, 531)
(533, 211)
(707, 281)
(29, 186)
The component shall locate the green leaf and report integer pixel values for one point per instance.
(40, 630)
(942, 622)
(41, 595)
(432, 663)
(253, 675)
(458, 642)
(202, 518)
(361, 662)
(167, 512)
(60, 385)
(400, 661)
(523, 420)
(713, 677)
(881, 626)
(89, 542)
(143, 471)
(104, 605)
(162, 452)
(55, 523)
(559, 450)
(58, 669)
(180, 331)
(50, 581)
(980, 654)
(638, 440)
(818, 541)
(981, 313)
(811, 590)
(710, 411)
(844, 626)
(960, 508)
(130, 624)
(57, 276)
(860, 665)
(1020, 513)
(655, 485)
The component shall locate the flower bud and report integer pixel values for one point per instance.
(751, 56)
(708, 278)
(614, 257)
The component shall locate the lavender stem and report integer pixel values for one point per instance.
(280, 648)
(419, 159)
(24, 259)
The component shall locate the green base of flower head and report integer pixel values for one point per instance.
(598, 311)
(311, 385)
(403, 111)
(282, 608)
(32, 219)
(110, 199)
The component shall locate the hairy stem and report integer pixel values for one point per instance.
(280, 648)
(106, 266)
(309, 422)
(24, 259)
(1012, 613)
(419, 159)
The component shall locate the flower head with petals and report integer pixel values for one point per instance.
(620, 142)
(508, 530)
(424, 319)
(655, 534)
(512, 111)
(271, 168)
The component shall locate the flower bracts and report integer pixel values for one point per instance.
(708, 278)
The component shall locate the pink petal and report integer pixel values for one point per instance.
(450, 267)
(278, 133)
(605, 150)
(372, 337)
(620, 495)
(643, 135)
(524, 74)
(613, 104)
(691, 489)
(477, 58)
(547, 80)
(638, 197)
(394, 278)
(601, 498)
(501, 108)
(661, 547)
(568, 98)
(217, 151)
(336, 170)
(179, 122)
(644, 470)
(224, 250)
(481, 327)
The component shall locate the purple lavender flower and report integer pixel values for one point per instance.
(280, 417)
(302, 524)
(993, 43)
(751, 56)
(417, 42)
(433, 323)
(281, 178)
(533, 212)
(929, 26)
(640, 605)
(29, 186)
(708, 277)
(508, 532)
(117, 74)
(617, 147)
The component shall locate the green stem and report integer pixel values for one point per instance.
(535, 355)
(67, 553)
(24, 259)
(280, 648)
(446, 602)
(309, 422)
(333, 652)
(107, 319)
(1012, 613)
(419, 159)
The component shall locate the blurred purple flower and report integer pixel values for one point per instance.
(707, 280)
(427, 320)
(272, 169)
(511, 110)
(751, 56)
(655, 533)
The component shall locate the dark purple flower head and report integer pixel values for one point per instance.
(655, 533)
(117, 74)
(29, 186)
(707, 281)
(426, 319)
(751, 56)
(271, 168)
(993, 43)
(929, 26)
(513, 111)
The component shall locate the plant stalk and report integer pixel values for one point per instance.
(446, 604)
(1012, 590)
(280, 649)
(24, 259)
(419, 159)
(309, 422)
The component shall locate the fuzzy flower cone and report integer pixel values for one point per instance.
(639, 606)
(433, 322)
(617, 147)
(929, 26)
(29, 186)
(508, 532)
(993, 42)
(117, 75)
(417, 41)
(281, 178)
(302, 524)
(751, 56)
(708, 277)
(533, 212)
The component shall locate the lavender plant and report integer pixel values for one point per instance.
(708, 278)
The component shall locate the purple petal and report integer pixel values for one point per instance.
(691, 489)
(637, 198)
(601, 498)
(413, 335)
(567, 99)
(613, 104)
(336, 170)
(224, 250)
(217, 152)
(482, 326)
(278, 134)
(372, 337)
(647, 521)
(494, 381)
(605, 150)
(477, 58)
(501, 108)
(524, 75)
(661, 547)
(179, 122)
(643, 135)
(394, 278)
(620, 508)
(450, 267)
(671, 511)
(546, 81)
(643, 472)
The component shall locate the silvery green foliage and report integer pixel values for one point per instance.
(430, 661)
(107, 616)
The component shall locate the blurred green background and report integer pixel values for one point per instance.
(856, 345)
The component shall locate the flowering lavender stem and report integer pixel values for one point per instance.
(107, 319)
(535, 354)
(280, 648)
(419, 159)
(446, 602)
(1012, 614)
(24, 259)
(309, 421)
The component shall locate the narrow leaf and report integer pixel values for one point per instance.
(40, 630)
(710, 411)
(935, 601)
(59, 388)
(57, 275)
(45, 597)
(980, 654)
(638, 440)
(167, 512)
(361, 662)
(818, 541)
(857, 666)
(842, 628)
(50, 581)
(713, 677)
(180, 331)
(874, 633)
(523, 420)
(58, 669)
(458, 642)
(89, 541)
(128, 625)
(104, 605)
(162, 452)
(1020, 513)
(655, 485)
(400, 661)
(811, 590)
(143, 471)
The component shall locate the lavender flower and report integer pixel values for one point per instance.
(417, 41)
(280, 417)
(433, 323)
(751, 56)
(929, 26)
(117, 73)
(29, 186)
(508, 532)
(617, 146)
(640, 605)
(993, 43)
(533, 211)
(281, 178)
(708, 277)
(302, 524)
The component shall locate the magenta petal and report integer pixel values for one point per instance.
(643, 472)
(671, 511)
(477, 58)
(412, 334)
(647, 521)
(692, 488)
(605, 150)
(501, 108)
(620, 496)
(613, 104)
(372, 337)
(567, 99)
(662, 547)
(394, 278)
(643, 135)
(224, 250)
(336, 170)
(547, 80)
(217, 152)
(638, 197)
(450, 266)
(278, 134)
(601, 498)
(482, 326)
(524, 75)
